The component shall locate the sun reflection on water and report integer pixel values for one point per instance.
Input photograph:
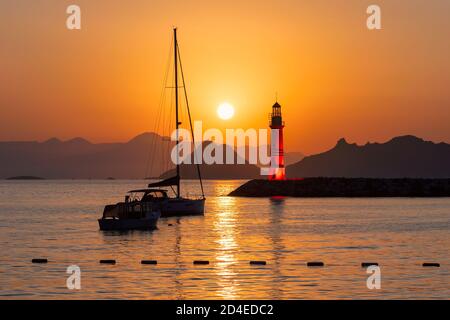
(224, 225)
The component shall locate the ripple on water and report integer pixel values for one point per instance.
(57, 220)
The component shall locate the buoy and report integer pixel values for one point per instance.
(201, 262)
(315, 264)
(431, 264)
(107, 261)
(261, 263)
(149, 262)
(39, 260)
(368, 264)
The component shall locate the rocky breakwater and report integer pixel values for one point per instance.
(345, 187)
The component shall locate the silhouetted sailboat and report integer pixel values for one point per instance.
(177, 205)
(143, 207)
(132, 214)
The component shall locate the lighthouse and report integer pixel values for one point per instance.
(276, 123)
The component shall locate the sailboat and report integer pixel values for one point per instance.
(142, 208)
(156, 195)
(176, 205)
(129, 215)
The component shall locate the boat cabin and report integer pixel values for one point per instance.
(137, 204)
(146, 195)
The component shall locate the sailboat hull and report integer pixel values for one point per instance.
(127, 224)
(175, 207)
(129, 216)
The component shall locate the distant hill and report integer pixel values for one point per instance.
(405, 156)
(293, 157)
(148, 155)
(80, 159)
(218, 171)
(25, 178)
(289, 157)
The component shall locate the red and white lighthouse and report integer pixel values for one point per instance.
(277, 170)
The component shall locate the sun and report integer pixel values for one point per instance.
(225, 111)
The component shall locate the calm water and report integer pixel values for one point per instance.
(58, 220)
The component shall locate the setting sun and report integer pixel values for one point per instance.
(225, 111)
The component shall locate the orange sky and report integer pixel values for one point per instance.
(334, 77)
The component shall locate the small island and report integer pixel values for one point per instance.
(25, 178)
(345, 187)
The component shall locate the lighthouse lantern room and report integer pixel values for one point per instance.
(276, 123)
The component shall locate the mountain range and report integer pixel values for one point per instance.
(400, 157)
(146, 155)
(405, 156)
(80, 159)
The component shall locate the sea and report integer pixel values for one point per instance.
(57, 220)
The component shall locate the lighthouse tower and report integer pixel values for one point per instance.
(277, 170)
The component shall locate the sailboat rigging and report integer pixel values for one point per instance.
(178, 205)
(143, 207)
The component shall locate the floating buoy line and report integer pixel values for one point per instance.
(251, 262)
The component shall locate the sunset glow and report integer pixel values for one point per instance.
(334, 77)
(224, 159)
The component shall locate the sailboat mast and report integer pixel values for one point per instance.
(176, 107)
(190, 122)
